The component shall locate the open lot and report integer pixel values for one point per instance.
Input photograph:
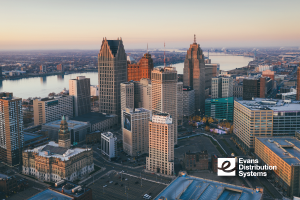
(195, 144)
(118, 189)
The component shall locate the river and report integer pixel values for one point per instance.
(42, 86)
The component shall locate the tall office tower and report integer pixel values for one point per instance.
(298, 84)
(194, 74)
(11, 129)
(42, 68)
(145, 90)
(221, 87)
(80, 89)
(161, 144)
(188, 101)
(256, 87)
(127, 95)
(64, 138)
(135, 128)
(50, 109)
(141, 70)
(180, 103)
(112, 71)
(164, 93)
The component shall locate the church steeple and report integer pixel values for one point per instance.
(64, 139)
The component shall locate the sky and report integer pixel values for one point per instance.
(78, 24)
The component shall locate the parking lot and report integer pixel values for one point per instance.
(195, 144)
(129, 188)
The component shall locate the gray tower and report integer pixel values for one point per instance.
(194, 74)
(112, 71)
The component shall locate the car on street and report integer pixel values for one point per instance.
(104, 185)
(110, 181)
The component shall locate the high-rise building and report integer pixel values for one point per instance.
(42, 68)
(164, 93)
(127, 95)
(60, 67)
(221, 87)
(11, 129)
(80, 89)
(49, 109)
(161, 144)
(112, 71)
(188, 101)
(145, 90)
(269, 73)
(64, 138)
(135, 128)
(298, 84)
(141, 70)
(180, 103)
(256, 87)
(194, 74)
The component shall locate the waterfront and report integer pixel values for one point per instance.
(42, 86)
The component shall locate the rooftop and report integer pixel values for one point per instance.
(277, 105)
(108, 134)
(92, 117)
(190, 187)
(30, 136)
(72, 124)
(114, 46)
(3, 176)
(52, 149)
(67, 186)
(287, 148)
(50, 194)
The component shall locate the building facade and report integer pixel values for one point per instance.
(164, 93)
(112, 71)
(54, 162)
(11, 129)
(298, 84)
(180, 103)
(135, 128)
(188, 98)
(220, 108)
(49, 109)
(78, 130)
(161, 145)
(196, 161)
(282, 152)
(256, 87)
(194, 74)
(79, 88)
(238, 90)
(109, 144)
(221, 87)
(127, 95)
(141, 70)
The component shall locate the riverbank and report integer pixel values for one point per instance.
(47, 74)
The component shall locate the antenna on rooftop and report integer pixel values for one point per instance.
(164, 54)
(195, 38)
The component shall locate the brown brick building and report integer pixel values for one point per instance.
(214, 163)
(140, 70)
(196, 161)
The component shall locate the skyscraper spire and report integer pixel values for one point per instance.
(195, 38)
(164, 54)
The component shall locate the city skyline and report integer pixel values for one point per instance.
(82, 25)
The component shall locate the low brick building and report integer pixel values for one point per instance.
(196, 161)
(214, 163)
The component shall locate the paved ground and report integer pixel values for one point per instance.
(195, 144)
(32, 189)
(132, 188)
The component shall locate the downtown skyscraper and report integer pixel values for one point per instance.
(164, 94)
(112, 71)
(11, 129)
(194, 74)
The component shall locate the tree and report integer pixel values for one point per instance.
(206, 128)
(210, 120)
